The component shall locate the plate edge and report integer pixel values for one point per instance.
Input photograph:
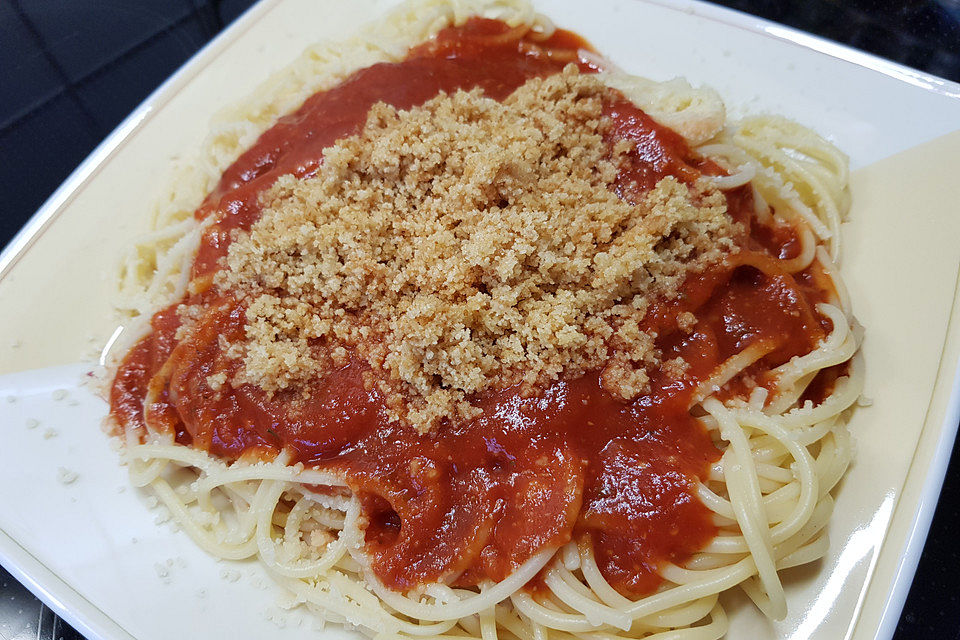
(51, 208)
(785, 33)
(931, 486)
(57, 594)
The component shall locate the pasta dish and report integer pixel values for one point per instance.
(461, 331)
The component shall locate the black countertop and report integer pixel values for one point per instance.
(70, 71)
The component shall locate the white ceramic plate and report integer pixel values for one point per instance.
(92, 550)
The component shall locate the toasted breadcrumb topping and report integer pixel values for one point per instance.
(686, 321)
(465, 245)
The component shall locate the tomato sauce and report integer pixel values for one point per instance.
(471, 501)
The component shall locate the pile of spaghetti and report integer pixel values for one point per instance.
(462, 332)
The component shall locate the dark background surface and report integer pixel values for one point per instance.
(71, 70)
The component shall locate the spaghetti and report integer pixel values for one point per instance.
(677, 435)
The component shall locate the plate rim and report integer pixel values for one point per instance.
(792, 35)
(95, 624)
(56, 594)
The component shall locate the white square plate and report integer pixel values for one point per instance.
(92, 550)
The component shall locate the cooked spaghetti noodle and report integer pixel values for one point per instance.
(733, 465)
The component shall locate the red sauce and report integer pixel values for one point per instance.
(476, 55)
(472, 501)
